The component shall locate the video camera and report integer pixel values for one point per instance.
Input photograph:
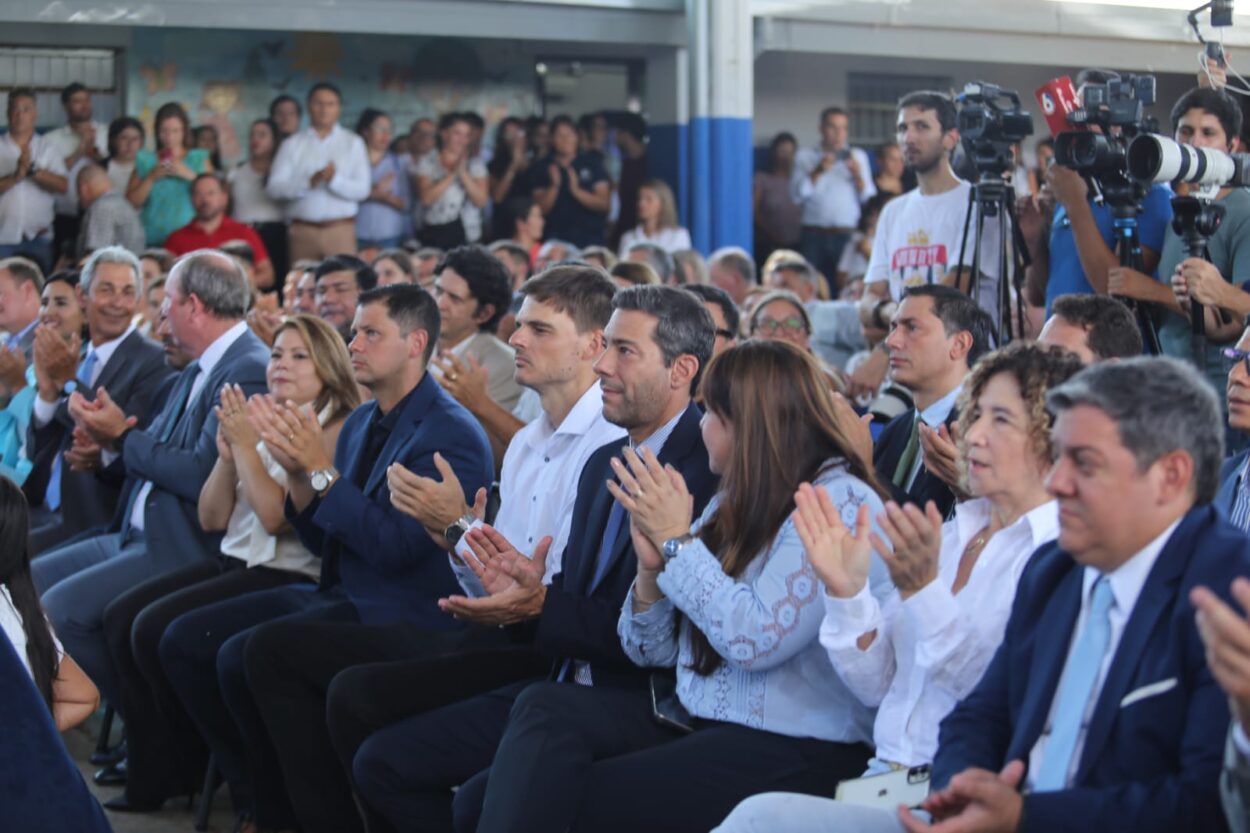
(988, 129)
(1117, 108)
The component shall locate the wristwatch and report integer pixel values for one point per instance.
(456, 531)
(673, 545)
(69, 387)
(323, 479)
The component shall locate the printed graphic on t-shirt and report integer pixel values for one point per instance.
(919, 262)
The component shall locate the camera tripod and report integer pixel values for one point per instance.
(994, 198)
(1124, 219)
(1195, 220)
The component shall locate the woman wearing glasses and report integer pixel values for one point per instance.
(781, 316)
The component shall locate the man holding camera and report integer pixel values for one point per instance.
(1081, 256)
(831, 182)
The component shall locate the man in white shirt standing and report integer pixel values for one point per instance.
(32, 173)
(831, 182)
(920, 234)
(80, 142)
(323, 173)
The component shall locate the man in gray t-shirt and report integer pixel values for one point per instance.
(108, 219)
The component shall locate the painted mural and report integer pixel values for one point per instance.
(226, 78)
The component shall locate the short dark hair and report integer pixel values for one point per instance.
(518, 208)
(409, 306)
(71, 89)
(367, 117)
(584, 292)
(117, 125)
(488, 280)
(324, 85)
(709, 294)
(65, 276)
(1110, 328)
(562, 119)
(831, 111)
(22, 92)
(163, 257)
(513, 250)
(658, 258)
(938, 103)
(273, 105)
(215, 176)
(473, 119)
(366, 278)
(631, 123)
(1216, 102)
(682, 326)
(400, 258)
(241, 249)
(958, 313)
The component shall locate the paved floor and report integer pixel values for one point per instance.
(176, 817)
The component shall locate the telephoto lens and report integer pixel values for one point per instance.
(1154, 158)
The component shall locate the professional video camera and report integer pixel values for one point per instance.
(1116, 107)
(989, 129)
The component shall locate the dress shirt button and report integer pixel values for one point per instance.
(546, 459)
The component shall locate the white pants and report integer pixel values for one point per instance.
(795, 813)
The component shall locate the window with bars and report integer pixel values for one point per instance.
(873, 102)
(48, 70)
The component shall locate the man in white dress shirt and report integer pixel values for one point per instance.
(81, 141)
(831, 182)
(32, 173)
(322, 172)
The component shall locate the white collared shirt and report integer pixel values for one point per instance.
(931, 650)
(208, 360)
(66, 141)
(44, 411)
(933, 416)
(832, 200)
(538, 482)
(1127, 582)
(27, 209)
(303, 154)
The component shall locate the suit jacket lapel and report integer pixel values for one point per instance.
(1149, 613)
(353, 445)
(414, 411)
(1050, 654)
(112, 367)
(600, 510)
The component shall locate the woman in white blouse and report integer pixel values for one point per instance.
(915, 655)
(243, 497)
(251, 204)
(657, 220)
(62, 685)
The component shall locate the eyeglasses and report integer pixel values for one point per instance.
(1232, 355)
(772, 325)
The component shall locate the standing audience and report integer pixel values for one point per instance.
(160, 187)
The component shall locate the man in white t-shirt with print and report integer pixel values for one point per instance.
(920, 234)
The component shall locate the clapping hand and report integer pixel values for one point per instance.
(291, 434)
(1226, 635)
(232, 420)
(916, 537)
(56, 360)
(841, 558)
(514, 582)
(12, 369)
(940, 452)
(655, 496)
(101, 418)
(84, 454)
(435, 504)
(464, 378)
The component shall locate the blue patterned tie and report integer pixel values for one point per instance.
(52, 497)
(1240, 516)
(1076, 689)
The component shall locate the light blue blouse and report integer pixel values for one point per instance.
(766, 625)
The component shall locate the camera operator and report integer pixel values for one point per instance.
(919, 234)
(1209, 118)
(1081, 255)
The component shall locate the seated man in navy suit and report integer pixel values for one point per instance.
(1099, 712)
(658, 340)
(379, 568)
(1233, 499)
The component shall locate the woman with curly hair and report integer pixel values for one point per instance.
(917, 653)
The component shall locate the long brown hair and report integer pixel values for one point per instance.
(332, 362)
(781, 408)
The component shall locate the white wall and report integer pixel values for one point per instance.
(791, 88)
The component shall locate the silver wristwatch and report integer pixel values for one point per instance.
(673, 545)
(323, 479)
(456, 531)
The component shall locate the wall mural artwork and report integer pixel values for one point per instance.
(227, 78)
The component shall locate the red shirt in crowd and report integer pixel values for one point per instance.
(191, 237)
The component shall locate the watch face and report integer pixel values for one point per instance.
(320, 480)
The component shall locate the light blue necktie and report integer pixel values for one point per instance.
(52, 497)
(1076, 689)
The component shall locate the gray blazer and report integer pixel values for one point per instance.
(179, 467)
(500, 362)
(1235, 786)
(131, 376)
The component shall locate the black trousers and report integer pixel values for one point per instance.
(165, 753)
(290, 667)
(591, 759)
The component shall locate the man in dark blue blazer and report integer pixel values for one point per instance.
(381, 573)
(1233, 483)
(658, 340)
(1098, 712)
(208, 295)
(119, 359)
(936, 335)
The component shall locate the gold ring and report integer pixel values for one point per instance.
(290, 437)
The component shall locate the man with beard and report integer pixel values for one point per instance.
(919, 235)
